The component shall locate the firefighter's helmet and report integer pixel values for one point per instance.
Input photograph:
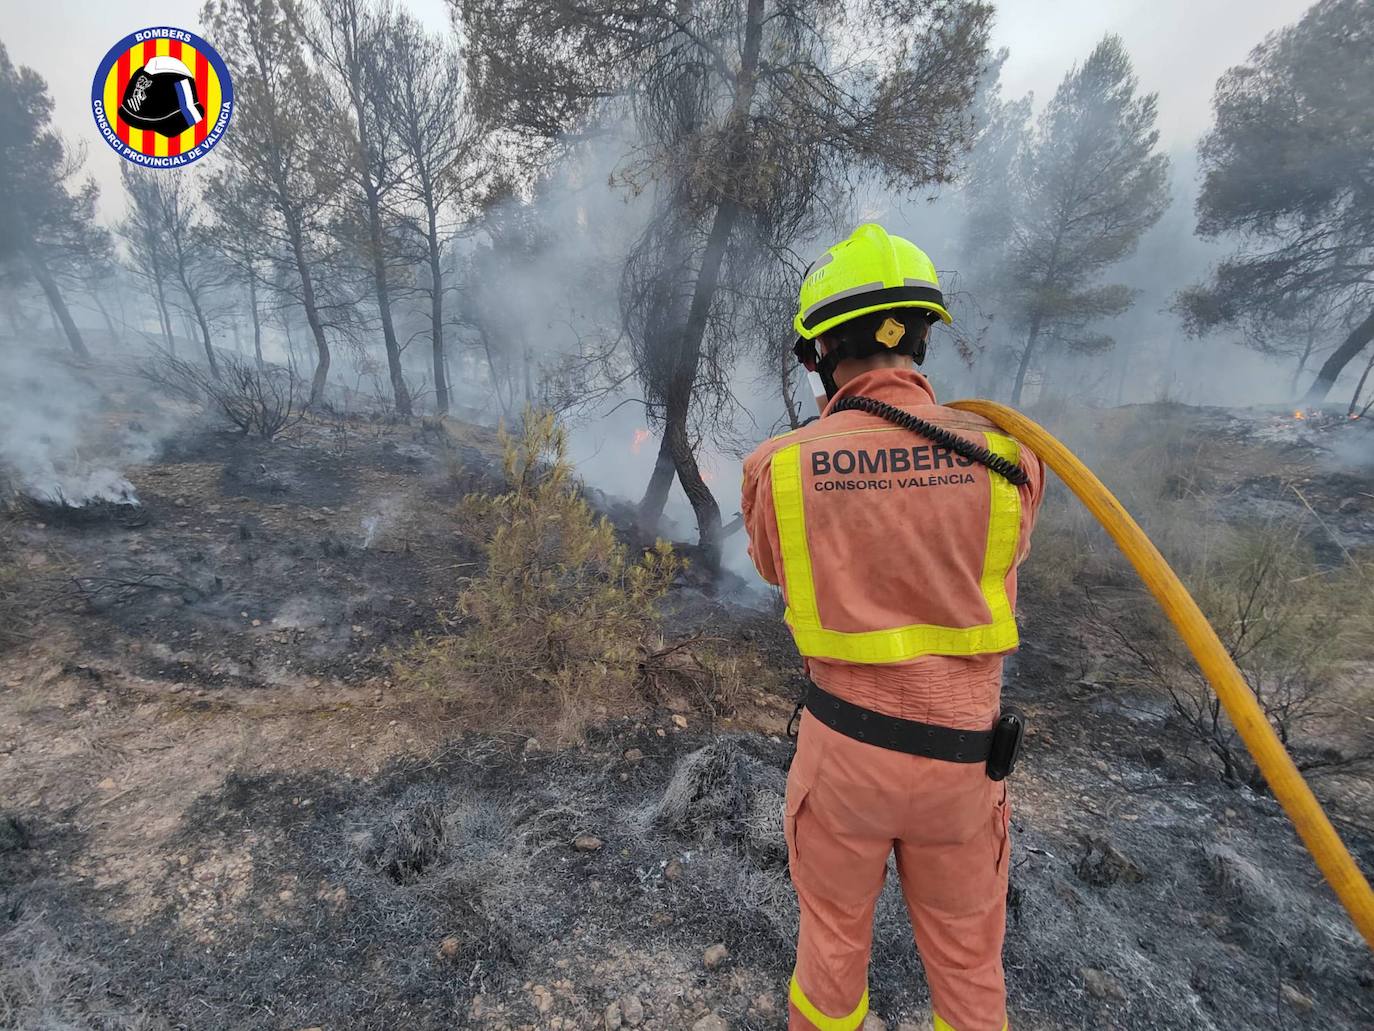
(162, 96)
(870, 271)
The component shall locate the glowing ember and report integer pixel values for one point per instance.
(639, 438)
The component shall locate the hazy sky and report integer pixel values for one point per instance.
(1179, 48)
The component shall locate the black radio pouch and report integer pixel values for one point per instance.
(1007, 735)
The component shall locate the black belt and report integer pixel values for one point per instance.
(899, 735)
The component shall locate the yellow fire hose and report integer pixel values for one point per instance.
(1302, 807)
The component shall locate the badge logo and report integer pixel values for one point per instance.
(162, 98)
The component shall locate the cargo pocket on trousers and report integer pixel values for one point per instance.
(792, 810)
(1001, 828)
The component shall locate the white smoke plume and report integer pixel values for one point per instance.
(62, 437)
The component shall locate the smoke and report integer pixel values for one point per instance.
(534, 302)
(62, 436)
(378, 522)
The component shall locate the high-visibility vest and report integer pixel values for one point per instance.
(996, 633)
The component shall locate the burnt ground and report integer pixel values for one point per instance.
(219, 810)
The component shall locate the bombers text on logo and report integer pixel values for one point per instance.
(918, 458)
(162, 97)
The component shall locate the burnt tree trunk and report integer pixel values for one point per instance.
(353, 73)
(660, 483)
(393, 350)
(160, 294)
(56, 301)
(165, 317)
(698, 493)
(787, 363)
(436, 310)
(205, 338)
(193, 295)
(496, 376)
(1359, 391)
(1024, 365)
(1353, 344)
(290, 345)
(105, 316)
(312, 314)
(679, 402)
(1302, 359)
(663, 338)
(257, 318)
(56, 325)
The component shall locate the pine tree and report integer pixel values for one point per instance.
(47, 220)
(1288, 169)
(1083, 189)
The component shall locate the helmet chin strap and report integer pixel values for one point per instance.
(825, 368)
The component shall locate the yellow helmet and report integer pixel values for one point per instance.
(868, 272)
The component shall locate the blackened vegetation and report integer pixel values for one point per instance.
(409, 842)
(14, 835)
(1145, 892)
(246, 558)
(99, 592)
(415, 894)
(722, 793)
(54, 509)
(477, 846)
(261, 400)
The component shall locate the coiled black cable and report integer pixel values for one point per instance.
(959, 445)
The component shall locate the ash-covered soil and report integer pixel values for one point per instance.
(218, 811)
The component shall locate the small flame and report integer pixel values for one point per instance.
(1300, 415)
(640, 437)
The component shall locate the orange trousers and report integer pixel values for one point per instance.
(849, 806)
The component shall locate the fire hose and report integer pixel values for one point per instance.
(1312, 824)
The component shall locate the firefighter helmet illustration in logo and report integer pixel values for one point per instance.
(162, 98)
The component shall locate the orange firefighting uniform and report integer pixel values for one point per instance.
(898, 562)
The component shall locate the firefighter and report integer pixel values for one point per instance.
(896, 545)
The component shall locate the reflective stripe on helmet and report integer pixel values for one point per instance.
(869, 298)
(854, 291)
(868, 271)
(849, 1022)
(903, 643)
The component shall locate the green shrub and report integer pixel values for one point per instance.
(561, 615)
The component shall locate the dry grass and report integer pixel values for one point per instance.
(1294, 625)
(559, 621)
(1162, 473)
(16, 612)
(43, 985)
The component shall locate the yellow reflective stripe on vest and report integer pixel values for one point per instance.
(796, 560)
(824, 1023)
(897, 644)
